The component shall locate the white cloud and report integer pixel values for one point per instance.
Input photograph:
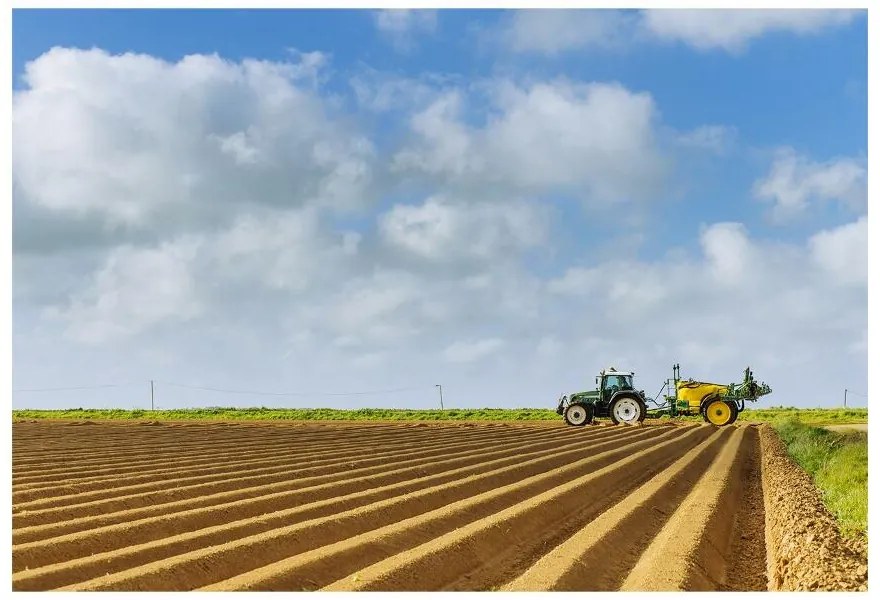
(380, 91)
(795, 181)
(216, 133)
(552, 32)
(134, 290)
(596, 140)
(403, 26)
(577, 281)
(782, 309)
(729, 253)
(288, 251)
(472, 351)
(137, 289)
(445, 142)
(746, 301)
(308, 66)
(732, 30)
(238, 147)
(442, 230)
(842, 252)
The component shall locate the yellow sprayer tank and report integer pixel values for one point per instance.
(692, 393)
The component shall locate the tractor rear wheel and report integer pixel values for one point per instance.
(627, 410)
(718, 412)
(578, 414)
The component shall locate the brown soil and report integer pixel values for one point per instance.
(407, 506)
(805, 550)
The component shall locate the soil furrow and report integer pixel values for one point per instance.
(476, 556)
(147, 459)
(690, 552)
(580, 562)
(461, 481)
(45, 551)
(71, 519)
(417, 506)
(201, 567)
(296, 462)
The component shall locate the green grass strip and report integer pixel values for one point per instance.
(838, 463)
(822, 416)
(317, 414)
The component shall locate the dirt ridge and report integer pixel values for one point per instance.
(805, 551)
(416, 506)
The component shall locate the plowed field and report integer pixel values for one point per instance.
(358, 506)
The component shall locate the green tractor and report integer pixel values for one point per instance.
(613, 397)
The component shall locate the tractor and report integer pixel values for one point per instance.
(613, 397)
(616, 397)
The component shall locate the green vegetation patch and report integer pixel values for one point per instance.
(293, 414)
(807, 416)
(816, 416)
(838, 463)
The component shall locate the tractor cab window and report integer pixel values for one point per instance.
(622, 382)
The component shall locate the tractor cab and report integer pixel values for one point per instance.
(611, 381)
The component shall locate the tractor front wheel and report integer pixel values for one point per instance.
(627, 410)
(578, 414)
(718, 412)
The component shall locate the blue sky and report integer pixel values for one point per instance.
(736, 145)
(768, 93)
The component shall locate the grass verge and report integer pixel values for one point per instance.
(306, 414)
(815, 416)
(807, 416)
(838, 463)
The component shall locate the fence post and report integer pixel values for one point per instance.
(152, 402)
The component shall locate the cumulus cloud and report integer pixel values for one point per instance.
(552, 32)
(740, 301)
(732, 30)
(403, 26)
(88, 148)
(289, 251)
(729, 253)
(442, 230)
(134, 290)
(842, 252)
(379, 91)
(795, 181)
(138, 288)
(596, 140)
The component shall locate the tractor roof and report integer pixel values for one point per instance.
(613, 371)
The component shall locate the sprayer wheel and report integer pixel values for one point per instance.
(718, 412)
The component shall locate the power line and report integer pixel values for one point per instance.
(260, 393)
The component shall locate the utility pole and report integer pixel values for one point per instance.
(440, 387)
(152, 403)
(844, 397)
